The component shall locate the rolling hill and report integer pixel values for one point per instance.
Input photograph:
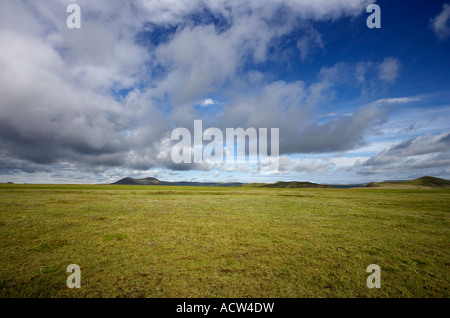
(154, 181)
(423, 182)
(132, 181)
(420, 183)
(291, 184)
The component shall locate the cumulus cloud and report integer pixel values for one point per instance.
(441, 23)
(291, 108)
(389, 70)
(108, 94)
(339, 134)
(201, 61)
(202, 57)
(430, 152)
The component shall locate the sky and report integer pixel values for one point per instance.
(98, 103)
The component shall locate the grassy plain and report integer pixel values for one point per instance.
(167, 241)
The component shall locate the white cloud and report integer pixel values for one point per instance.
(203, 57)
(208, 102)
(441, 23)
(201, 61)
(389, 70)
(428, 152)
(398, 100)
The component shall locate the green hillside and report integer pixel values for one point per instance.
(132, 181)
(424, 182)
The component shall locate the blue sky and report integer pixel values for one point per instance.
(95, 104)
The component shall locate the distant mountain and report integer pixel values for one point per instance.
(423, 182)
(291, 184)
(132, 181)
(154, 181)
(279, 184)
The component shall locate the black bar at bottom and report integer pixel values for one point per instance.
(218, 306)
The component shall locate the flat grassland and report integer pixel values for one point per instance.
(167, 241)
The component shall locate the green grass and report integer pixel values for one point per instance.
(166, 241)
